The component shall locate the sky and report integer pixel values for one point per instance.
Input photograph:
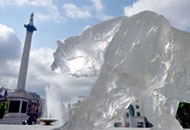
(58, 20)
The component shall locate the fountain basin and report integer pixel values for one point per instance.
(47, 121)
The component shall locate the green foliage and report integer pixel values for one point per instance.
(4, 108)
(1, 105)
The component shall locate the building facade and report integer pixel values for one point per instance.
(133, 117)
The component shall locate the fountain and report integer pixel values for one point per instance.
(53, 107)
(47, 121)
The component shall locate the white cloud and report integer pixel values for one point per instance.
(38, 3)
(42, 3)
(5, 31)
(10, 45)
(73, 11)
(51, 14)
(3, 3)
(26, 2)
(9, 72)
(99, 8)
(176, 11)
(22, 2)
(10, 49)
(50, 11)
(47, 10)
(98, 5)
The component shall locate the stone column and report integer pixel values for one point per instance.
(25, 55)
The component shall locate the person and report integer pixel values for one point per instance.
(2, 110)
(30, 120)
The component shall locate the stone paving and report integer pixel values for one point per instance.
(26, 127)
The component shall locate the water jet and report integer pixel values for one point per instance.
(53, 107)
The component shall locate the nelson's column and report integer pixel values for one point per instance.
(23, 104)
(25, 56)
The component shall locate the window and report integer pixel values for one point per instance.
(137, 107)
(118, 124)
(138, 114)
(127, 124)
(24, 105)
(131, 110)
(14, 106)
(140, 124)
(127, 114)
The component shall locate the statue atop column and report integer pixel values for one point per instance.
(30, 27)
